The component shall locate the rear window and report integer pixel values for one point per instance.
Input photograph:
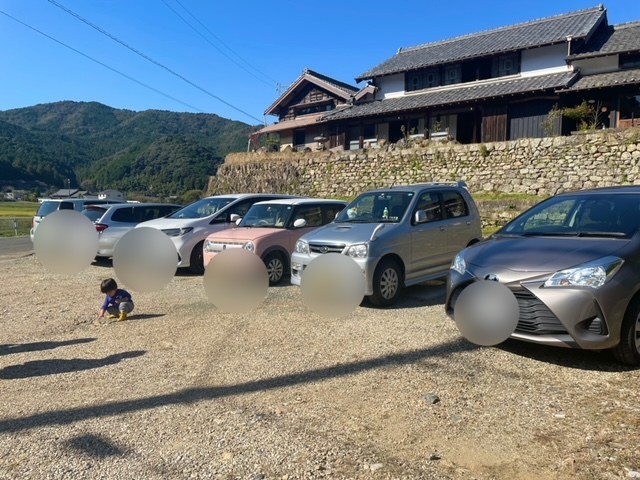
(49, 207)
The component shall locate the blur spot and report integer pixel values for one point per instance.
(65, 242)
(236, 280)
(145, 259)
(332, 285)
(486, 313)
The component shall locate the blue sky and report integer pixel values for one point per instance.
(226, 57)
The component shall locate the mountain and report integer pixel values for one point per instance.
(96, 147)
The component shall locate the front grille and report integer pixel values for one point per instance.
(535, 316)
(318, 248)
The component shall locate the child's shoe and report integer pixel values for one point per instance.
(123, 316)
(113, 316)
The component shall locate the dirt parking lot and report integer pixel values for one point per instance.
(182, 390)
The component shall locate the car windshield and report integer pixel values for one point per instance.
(267, 215)
(47, 207)
(202, 208)
(580, 215)
(376, 207)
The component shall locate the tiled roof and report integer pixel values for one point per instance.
(332, 81)
(620, 77)
(341, 89)
(614, 39)
(289, 124)
(545, 31)
(447, 96)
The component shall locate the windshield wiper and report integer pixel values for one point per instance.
(601, 234)
(574, 234)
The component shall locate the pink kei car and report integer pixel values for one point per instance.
(271, 229)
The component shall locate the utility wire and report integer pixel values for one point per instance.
(216, 47)
(146, 57)
(104, 64)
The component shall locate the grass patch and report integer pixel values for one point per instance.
(20, 212)
(18, 209)
(487, 196)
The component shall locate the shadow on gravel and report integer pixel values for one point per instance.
(566, 357)
(94, 446)
(192, 395)
(144, 316)
(37, 346)
(38, 368)
(424, 295)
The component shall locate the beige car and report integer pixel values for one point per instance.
(271, 229)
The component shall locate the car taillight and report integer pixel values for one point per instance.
(33, 222)
(101, 227)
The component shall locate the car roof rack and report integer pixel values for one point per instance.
(444, 183)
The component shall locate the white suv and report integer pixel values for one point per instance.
(189, 226)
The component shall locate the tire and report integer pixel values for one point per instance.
(628, 350)
(196, 260)
(275, 267)
(386, 284)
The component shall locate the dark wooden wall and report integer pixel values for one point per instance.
(494, 123)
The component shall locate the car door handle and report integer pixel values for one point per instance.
(442, 229)
(468, 223)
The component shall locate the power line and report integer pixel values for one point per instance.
(146, 57)
(216, 47)
(103, 64)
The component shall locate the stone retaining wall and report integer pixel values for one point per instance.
(529, 166)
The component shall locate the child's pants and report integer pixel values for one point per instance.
(125, 307)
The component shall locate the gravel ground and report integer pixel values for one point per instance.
(182, 390)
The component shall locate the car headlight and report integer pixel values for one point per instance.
(592, 274)
(249, 246)
(302, 247)
(208, 246)
(177, 232)
(458, 264)
(358, 251)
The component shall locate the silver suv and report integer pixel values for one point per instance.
(399, 236)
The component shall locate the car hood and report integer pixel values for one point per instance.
(540, 254)
(238, 234)
(164, 223)
(347, 233)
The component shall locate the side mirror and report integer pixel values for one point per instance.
(234, 217)
(238, 220)
(299, 223)
(420, 216)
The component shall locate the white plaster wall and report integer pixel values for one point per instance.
(391, 86)
(544, 60)
(589, 66)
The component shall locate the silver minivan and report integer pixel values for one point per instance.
(399, 236)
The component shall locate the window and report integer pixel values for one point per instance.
(630, 107)
(124, 215)
(330, 212)
(369, 131)
(299, 137)
(431, 78)
(454, 205)
(452, 75)
(429, 203)
(506, 65)
(311, 213)
(630, 60)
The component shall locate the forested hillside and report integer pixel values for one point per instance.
(98, 147)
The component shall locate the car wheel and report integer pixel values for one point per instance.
(275, 268)
(196, 261)
(628, 350)
(386, 284)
